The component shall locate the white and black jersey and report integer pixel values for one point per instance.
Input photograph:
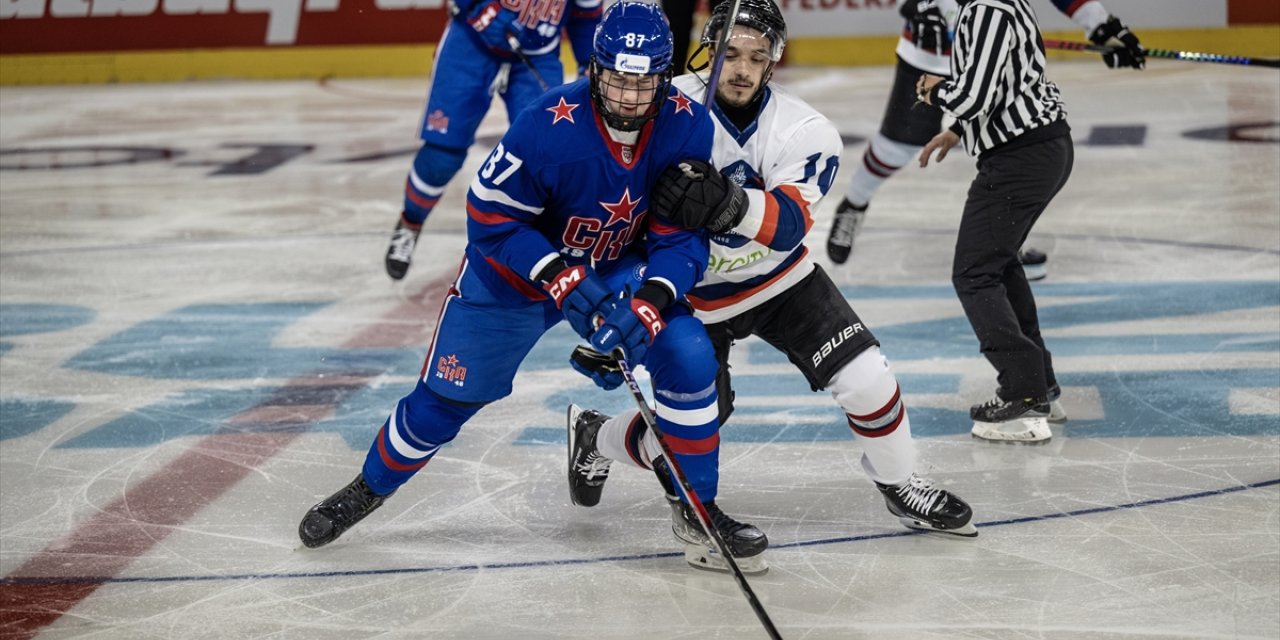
(998, 91)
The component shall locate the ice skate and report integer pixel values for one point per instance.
(1034, 263)
(400, 250)
(339, 512)
(1017, 421)
(920, 505)
(745, 542)
(587, 468)
(1057, 415)
(844, 230)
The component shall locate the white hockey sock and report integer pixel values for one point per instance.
(868, 392)
(624, 437)
(881, 159)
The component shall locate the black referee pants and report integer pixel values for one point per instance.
(1013, 187)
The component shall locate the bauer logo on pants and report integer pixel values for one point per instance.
(835, 342)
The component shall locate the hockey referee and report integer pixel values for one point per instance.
(1013, 119)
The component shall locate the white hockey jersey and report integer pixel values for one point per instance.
(786, 161)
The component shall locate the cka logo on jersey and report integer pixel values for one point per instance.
(448, 369)
(604, 239)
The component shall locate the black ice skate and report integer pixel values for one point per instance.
(1034, 263)
(844, 229)
(587, 468)
(745, 542)
(1024, 420)
(920, 505)
(339, 512)
(400, 251)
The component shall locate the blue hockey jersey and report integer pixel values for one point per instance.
(559, 185)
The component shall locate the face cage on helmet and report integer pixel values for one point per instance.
(623, 123)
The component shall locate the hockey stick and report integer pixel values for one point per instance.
(1188, 56)
(703, 517)
(721, 47)
(524, 57)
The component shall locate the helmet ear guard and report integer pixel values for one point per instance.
(632, 39)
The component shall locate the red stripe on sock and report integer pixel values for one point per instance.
(694, 447)
(391, 462)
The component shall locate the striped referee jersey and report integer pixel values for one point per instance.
(997, 90)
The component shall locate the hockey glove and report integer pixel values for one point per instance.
(1128, 52)
(629, 330)
(581, 296)
(928, 25)
(494, 25)
(693, 195)
(602, 369)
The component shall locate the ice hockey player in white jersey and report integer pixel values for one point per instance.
(780, 156)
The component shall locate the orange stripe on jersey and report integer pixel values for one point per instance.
(794, 194)
(768, 226)
(702, 304)
(484, 217)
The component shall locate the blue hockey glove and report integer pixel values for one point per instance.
(581, 296)
(602, 369)
(494, 24)
(928, 25)
(629, 329)
(1128, 51)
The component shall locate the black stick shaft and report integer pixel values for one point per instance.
(515, 46)
(703, 517)
(1186, 56)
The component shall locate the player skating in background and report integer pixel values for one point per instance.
(925, 47)
(559, 222)
(780, 156)
(478, 56)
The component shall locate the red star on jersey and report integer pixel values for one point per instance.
(622, 209)
(682, 103)
(563, 111)
(452, 360)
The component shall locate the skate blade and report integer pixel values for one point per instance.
(571, 418)
(1022, 431)
(1057, 415)
(700, 557)
(967, 531)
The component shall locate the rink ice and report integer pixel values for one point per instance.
(232, 338)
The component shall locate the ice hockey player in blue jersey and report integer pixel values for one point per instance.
(925, 46)
(781, 155)
(477, 57)
(560, 226)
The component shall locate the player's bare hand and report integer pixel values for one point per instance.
(941, 143)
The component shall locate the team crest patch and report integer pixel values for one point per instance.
(448, 369)
(438, 121)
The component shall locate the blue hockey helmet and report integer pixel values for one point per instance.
(631, 56)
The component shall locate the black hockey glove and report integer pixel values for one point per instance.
(928, 25)
(1128, 52)
(602, 369)
(693, 195)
